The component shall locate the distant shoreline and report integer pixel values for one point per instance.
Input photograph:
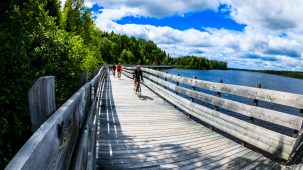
(292, 74)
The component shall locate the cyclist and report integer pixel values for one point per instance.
(137, 76)
(114, 69)
(119, 69)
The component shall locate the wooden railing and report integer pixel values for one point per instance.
(280, 145)
(67, 139)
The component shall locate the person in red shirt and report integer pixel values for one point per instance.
(119, 70)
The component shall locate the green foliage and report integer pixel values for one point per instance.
(71, 17)
(127, 57)
(192, 62)
(120, 48)
(53, 9)
(32, 45)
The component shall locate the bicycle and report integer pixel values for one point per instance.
(137, 88)
(119, 74)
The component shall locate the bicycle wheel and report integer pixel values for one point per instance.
(138, 90)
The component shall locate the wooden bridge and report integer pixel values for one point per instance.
(105, 125)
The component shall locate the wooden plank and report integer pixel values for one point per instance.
(207, 158)
(283, 98)
(241, 161)
(155, 141)
(280, 118)
(162, 149)
(205, 141)
(153, 132)
(173, 156)
(255, 163)
(223, 163)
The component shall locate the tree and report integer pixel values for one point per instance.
(71, 17)
(127, 57)
(53, 8)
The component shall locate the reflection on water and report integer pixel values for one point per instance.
(246, 78)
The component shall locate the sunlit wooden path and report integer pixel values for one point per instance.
(147, 132)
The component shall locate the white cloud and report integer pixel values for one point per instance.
(275, 15)
(257, 47)
(151, 8)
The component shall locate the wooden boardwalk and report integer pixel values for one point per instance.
(147, 132)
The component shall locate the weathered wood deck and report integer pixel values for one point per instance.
(147, 132)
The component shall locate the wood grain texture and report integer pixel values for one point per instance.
(147, 132)
(41, 98)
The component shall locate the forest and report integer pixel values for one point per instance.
(293, 74)
(39, 38)
(193, 62)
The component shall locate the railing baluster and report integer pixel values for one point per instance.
(165, 79)
(194, 88)
(177, 83)
(296, 131)
(255, 103)
(218, 94)
(157, 76)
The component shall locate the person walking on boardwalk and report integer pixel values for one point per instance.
(119, 70)
(114, 69)
(137, 76)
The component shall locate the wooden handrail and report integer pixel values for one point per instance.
(53, 145)
(276, 143)
(276, 117)
(283, 98)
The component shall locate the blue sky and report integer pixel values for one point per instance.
(246, 34)
(197, 20)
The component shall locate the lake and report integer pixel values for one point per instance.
(246, 78)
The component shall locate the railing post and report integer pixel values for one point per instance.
(218, 94)
(83, 78)
(255, 103)
(177, 83)
(157, 76)
(194, 88)
(165, 79)
(41, 98)
(92, 92)
(295, 132)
